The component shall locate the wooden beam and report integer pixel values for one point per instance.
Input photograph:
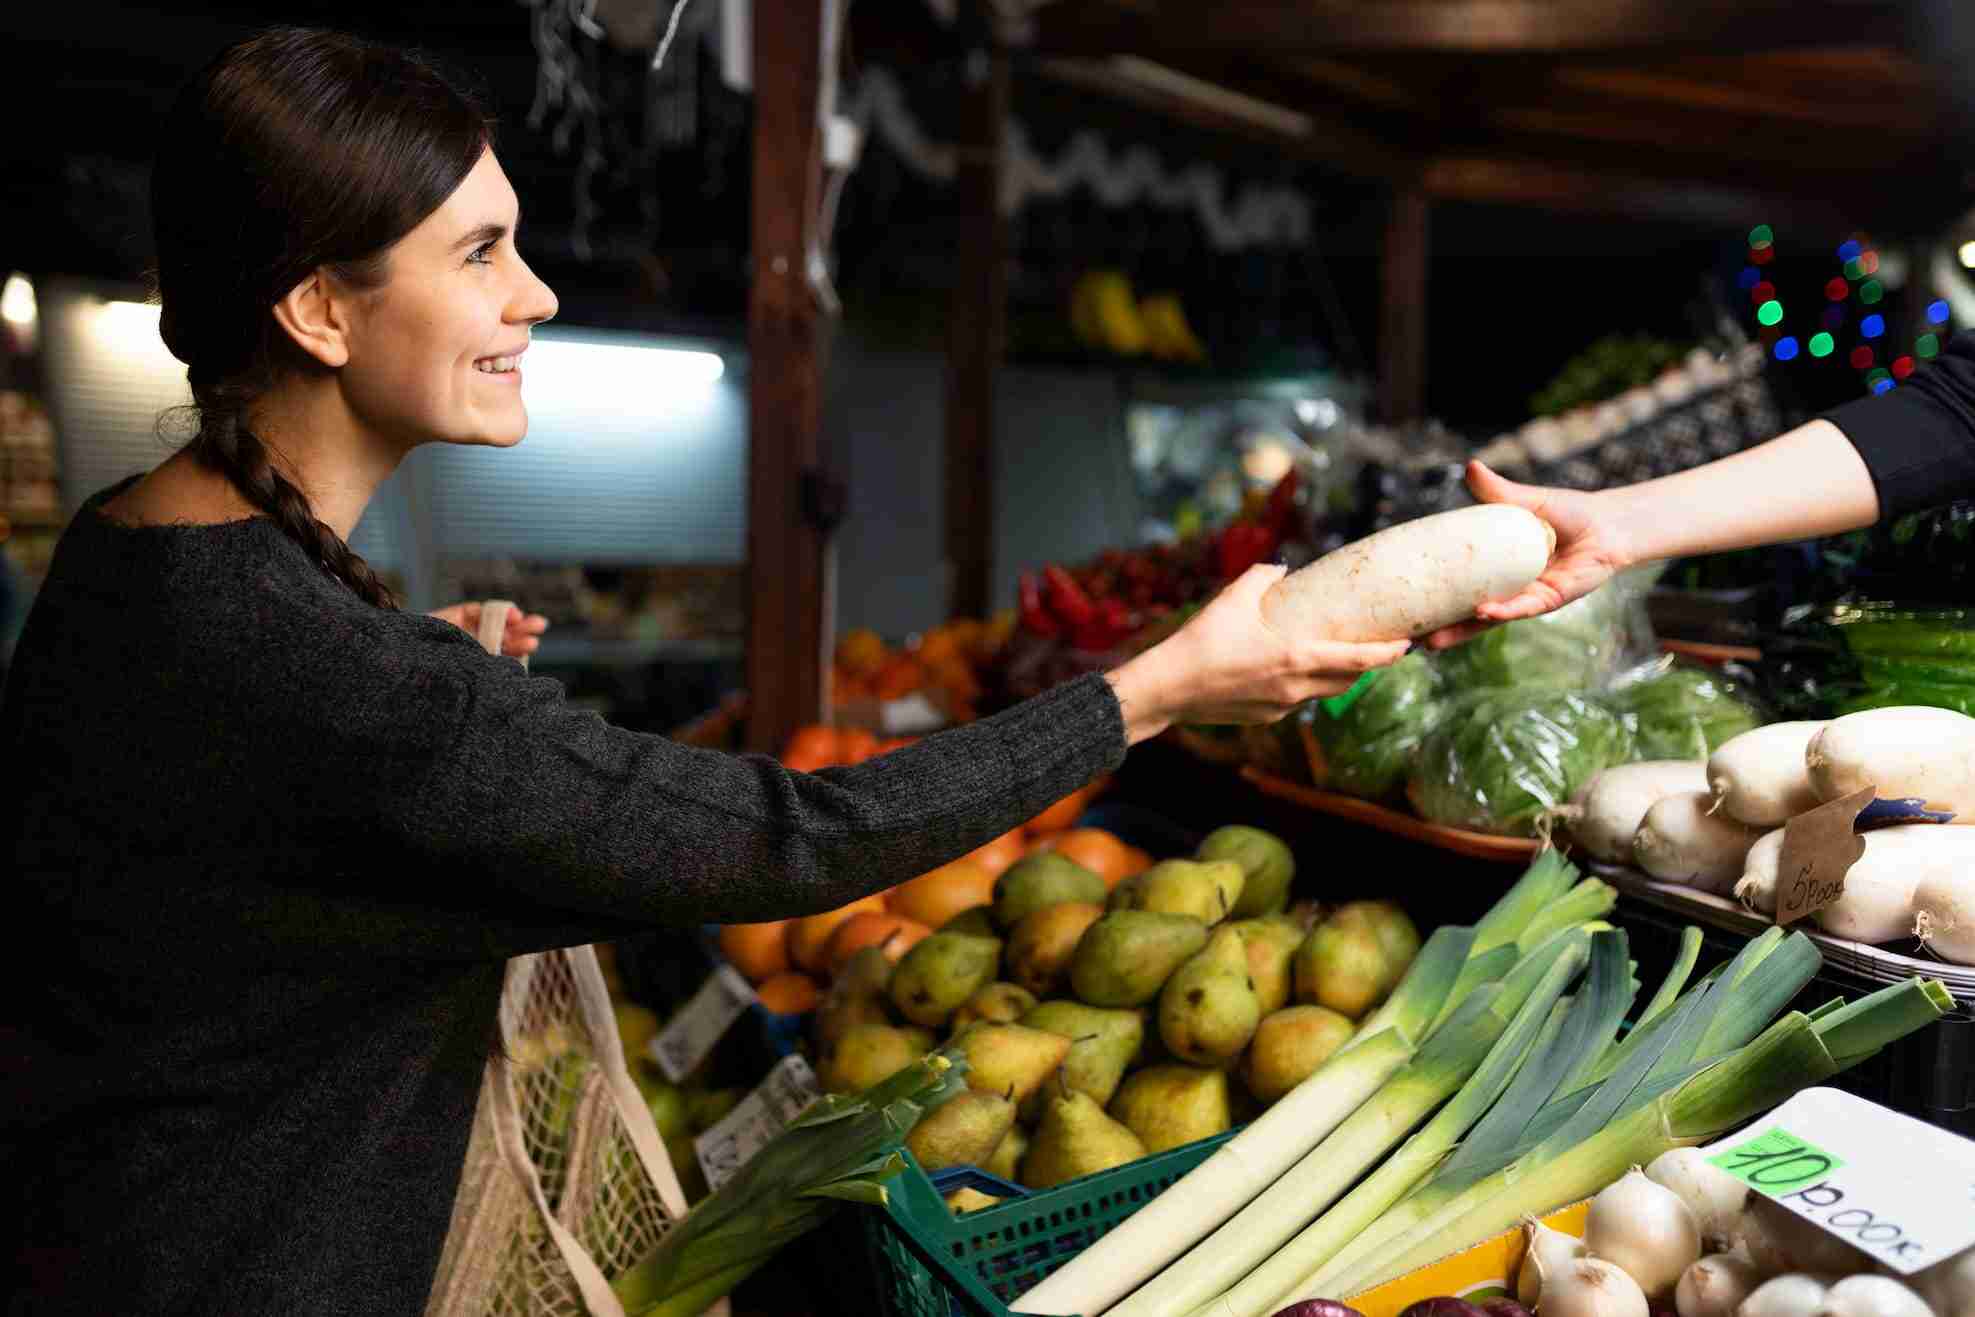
(1479, 27)
(1402, 309)
(787, 624)
(1548, 185)
(975, 335)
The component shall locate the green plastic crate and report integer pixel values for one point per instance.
(930, 1263)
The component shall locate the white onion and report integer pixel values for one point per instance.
(1549, 1252)
(1715, 1197)
(1872, 1296)
(1592, 1287)
(1779, 1241)
(1716, 1285)
(1795, 1295)
(1644, 1228)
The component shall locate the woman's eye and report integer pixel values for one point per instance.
(481, 255)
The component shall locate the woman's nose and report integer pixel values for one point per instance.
(536, 301)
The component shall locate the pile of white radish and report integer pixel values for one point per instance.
(1718, 827)
(1686, 1234)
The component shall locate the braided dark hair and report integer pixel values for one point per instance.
(295, 150)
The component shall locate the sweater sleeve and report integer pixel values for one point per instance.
(465, 761)
(1918, 440)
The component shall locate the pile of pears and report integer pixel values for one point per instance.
(1102, 1025)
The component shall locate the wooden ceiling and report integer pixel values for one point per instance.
(1692, 107)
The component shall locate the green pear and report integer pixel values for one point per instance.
(1205, 890)
(1039, 880)
(976, 921)
(856, 996)
(1102, 1044)
(1168, 1105)
(1076, 1139)
(964, 1130)
(1397, 937)
(1271, 942)
(1127, 956)
(1012, 1060)
(870, 1054)
(1342, 966)
(997, 1003)
(966, 1199)
(1289, 1046)
(707, 1109)
(1208, 1010)
(670, 1110)
(1041, 944)
(1267, 867)
(940, 973)
(1006, 1159)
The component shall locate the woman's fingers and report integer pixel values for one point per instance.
(1338, 656)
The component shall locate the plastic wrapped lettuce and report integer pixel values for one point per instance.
(1676, 712)
(1368, 748)
(1577, 647)
(1499, 759)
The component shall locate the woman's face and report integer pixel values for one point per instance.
(435, 354)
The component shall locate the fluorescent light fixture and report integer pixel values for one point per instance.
(627, 378)
(1321, 413)
(1967, 254)
(128, 326)
(1212, 96)
(17, 305)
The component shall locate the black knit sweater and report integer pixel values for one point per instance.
(268, 848)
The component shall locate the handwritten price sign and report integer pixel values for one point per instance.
(701, 1023)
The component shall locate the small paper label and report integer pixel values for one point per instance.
(1819, 846)
(755, 1121)
(701, 1023)
(1899, 1189)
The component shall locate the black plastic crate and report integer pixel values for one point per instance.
(1929, 1075)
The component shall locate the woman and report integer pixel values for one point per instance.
(278, 837)
(1873, 459)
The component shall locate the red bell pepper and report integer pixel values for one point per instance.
(1240, 546)
(1279, 513)
(1067, 599)
(1035, 617)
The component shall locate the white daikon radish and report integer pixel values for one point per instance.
(1413, 578)
(1757, 888)
(1908, 752)
(1759, 777)
(1882, 889)
(1608, 810)
(1943, 904)
(1679, 841)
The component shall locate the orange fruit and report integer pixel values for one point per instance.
(1041, 841)
(998, 854)
(809, 938)
(789, 994)
(855, 745)
(933, 898)
(758, 951)
(895, 933)
(1063, 813)
(1098, 851)
(811, 748)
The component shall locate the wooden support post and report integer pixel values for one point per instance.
(974, 344)
(788, 627)
(1402, 310)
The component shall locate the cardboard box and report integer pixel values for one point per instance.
(1486, 1271)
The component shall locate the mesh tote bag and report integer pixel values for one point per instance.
(566, 1183)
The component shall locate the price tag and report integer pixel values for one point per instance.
(1897, 1188)
(701, 1023)
(755, 1121)
(1819, 846)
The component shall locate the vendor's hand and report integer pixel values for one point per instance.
(519, 638)
(1228, 665)
(1590, 550)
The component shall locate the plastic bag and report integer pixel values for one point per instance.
(1581, 646)
(1499, 759)
(1679, 712)
(1907, 654)
(1368, 748)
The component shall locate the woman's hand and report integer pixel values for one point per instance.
(1228, 665)
(1591, 548)
(519, 639)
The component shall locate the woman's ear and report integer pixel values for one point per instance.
(316, 314)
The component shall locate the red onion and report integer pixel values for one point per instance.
(1443, 1307)
(1319, 1308)
(1504, 1306)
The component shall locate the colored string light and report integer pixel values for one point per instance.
(1869, 262)
(1861, 358)
(1786, 348)
(1763, 292)
(1872, 326)
(1848, 250)
(1770, 313)
(1882, 386)
(1748, 278)
(1762, 255)
(1876, 374)
(1854, 269)
(1870, 292)
(1902, 367)
(1761, 236)
(1821, 345)
(1837, 290)
(1937, 313)
(1928, 346)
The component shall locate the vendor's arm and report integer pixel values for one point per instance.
(467, 763)
(1876, 458)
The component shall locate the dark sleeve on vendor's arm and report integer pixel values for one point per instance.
(1918, 440)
